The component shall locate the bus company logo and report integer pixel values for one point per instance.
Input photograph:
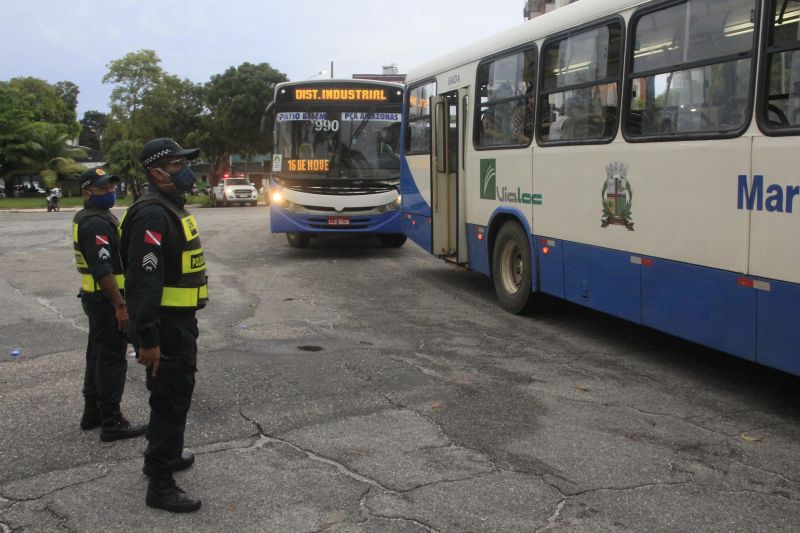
(488, 179)
(490, 190)
(617, 196)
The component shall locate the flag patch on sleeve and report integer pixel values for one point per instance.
(152, 237)
(101, 240)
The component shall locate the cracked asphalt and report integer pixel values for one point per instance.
(351, 388)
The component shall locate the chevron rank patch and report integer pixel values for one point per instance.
(150, 262)
(152, 237)
(103, 254)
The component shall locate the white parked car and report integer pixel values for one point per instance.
(234, 191)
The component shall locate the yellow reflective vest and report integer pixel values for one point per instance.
(190, 290)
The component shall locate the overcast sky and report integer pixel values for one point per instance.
(75, 40)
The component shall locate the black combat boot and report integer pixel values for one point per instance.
(120, 429)
(181, 463)
(91, 417)
(163, 493)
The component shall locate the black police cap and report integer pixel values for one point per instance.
(96, 177)
(160, 148)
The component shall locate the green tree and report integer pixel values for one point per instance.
(68, 92)
(173, 108)
(133, 76)
(236, 100)
(48, 154)
(46, 104)
(123, 161)
(93, 124)
(16, 119)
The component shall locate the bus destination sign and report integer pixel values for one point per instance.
(341, 95)
(311, 93)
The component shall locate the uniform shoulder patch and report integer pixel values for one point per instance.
(101, 240)
(152, 237)
(150, 262)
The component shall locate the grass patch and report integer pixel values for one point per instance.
(41, 203)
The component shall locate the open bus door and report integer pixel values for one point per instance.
(446, 201)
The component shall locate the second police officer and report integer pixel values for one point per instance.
(96, 245)
(165, 285)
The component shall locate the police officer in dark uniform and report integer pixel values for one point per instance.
(165, 283)
(96, 244)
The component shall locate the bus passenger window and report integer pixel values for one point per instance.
(418, 132)
(781, 110)
(709, 97)
(581, 80)
(504, 107)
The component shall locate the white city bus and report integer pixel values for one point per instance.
(336, 164)
(636, 157)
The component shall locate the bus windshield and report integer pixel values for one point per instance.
(339, 144)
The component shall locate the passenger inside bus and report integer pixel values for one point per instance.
(490, 134)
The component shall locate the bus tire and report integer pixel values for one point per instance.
(511, 268)
(298, 240)
(392, 240)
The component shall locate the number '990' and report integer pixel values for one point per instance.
(326, 125)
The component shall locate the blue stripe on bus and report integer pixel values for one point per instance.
(418, 229)
(704, 305)
(701, 304)
(778, 341)
(602, 279)
(477, 249)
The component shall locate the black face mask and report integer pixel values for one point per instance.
(183, 180)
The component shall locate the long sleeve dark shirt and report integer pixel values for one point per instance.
(99, 243)
(152, 259)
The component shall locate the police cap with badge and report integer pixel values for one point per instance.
(96, 177)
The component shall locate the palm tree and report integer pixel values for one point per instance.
(123, 160)
(49, 154)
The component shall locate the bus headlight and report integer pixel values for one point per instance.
(278, 199)
(391, 206)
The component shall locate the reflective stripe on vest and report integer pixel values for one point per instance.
(184, 296)
(88, 284)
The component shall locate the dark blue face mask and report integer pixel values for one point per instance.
(103, 201)
(184, 179)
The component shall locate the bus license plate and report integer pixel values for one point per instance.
(338, 221)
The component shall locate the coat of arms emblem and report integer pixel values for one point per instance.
(617, 196)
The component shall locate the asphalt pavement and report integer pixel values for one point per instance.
(353, 388)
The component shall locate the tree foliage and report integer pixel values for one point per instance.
(93, 124)
(68, 92)
(133, 76)
(123, 160)
(237, 99)
(48, 155)
(172, 108)
(16, 118)
(46, 104)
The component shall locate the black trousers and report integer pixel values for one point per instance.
(171, 391)
(106, 367)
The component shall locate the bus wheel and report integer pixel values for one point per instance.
(511, 268)
(392, 240)
(298, 240)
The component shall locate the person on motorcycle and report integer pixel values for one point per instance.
(52, 199)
